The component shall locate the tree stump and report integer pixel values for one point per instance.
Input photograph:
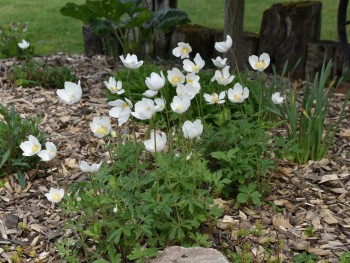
(92, 43)
(200, 38)
(286, 30)
(319, 51)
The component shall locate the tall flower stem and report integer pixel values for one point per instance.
(261, 97)
(87, 130)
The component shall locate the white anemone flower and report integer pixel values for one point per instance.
(182, 50)
(101, 126)
(24, 44)
(193, 79)
(180, 105)
(175, 77)
(71, 93)
(214, 98)
(157, 143)
(223, 77)
(219, 62)
(49, 153)
(195, 67)
(87, 168)
(155, 82)
(237, 94)
(55, 195)
(225, 45)
(131, 61)
(30, 147)
(114, 86)
(159, 104)
(150, 93)
(121, 110)
(277, 98)
(192, 129)
(259, 63)
(144, 109)
(187, 90)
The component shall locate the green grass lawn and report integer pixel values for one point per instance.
(51, 32)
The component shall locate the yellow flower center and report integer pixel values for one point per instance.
(190, 80)
(195, 68)
(35, 148)
(113, 89)
(179, 107)
(215, 98)
(260, 64)
(237, 96)
(184, 50)
(125, 105)
(102, 130)
(56, 197)
(175, 80)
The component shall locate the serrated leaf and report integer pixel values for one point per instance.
(242, 198)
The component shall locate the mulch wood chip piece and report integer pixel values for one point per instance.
(308, 207)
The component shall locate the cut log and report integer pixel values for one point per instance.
(286, 30)
(92, 43)
(317, 52)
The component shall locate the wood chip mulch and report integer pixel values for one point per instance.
(303, 198)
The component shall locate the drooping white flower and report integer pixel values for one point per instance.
(182, 50)
(277, 98)
(159, 104)
(87, 168)
(150, 93)
(131, 61)
(223, 77)
(55, 195)
(71, 93)
(24, 44)
(157, 143)
(237, 94)
(260, 63)
(30, 147)
(144, 109)
(192, 129)
(180, 105)
(115, 209)
(121, 110)
(175, 77)
(214, 98)
(101, 126)
(219, 62)
(225, 45)
(114, 86)
(195, 67)
(187, 90)
(49, 153)
(193, 79)
(155, 82)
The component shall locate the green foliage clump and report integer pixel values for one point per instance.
(133, 209)
(13, 131)
(10, 36)
(40, 73)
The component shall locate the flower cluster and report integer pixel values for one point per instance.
(33, 147)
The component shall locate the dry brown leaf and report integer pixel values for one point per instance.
(319, 251)
(328, 177)
(280, 221)
(328, 216)
(345, 133)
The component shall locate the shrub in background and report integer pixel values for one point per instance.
(41, 74)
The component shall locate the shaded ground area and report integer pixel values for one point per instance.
(308, 207)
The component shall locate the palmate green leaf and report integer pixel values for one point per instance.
(110, 9)
(169, 17)
(256, 197)
(81, 12)
(242, 198)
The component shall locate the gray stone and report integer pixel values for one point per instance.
(177, 254)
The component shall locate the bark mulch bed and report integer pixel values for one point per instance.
(303, 198)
